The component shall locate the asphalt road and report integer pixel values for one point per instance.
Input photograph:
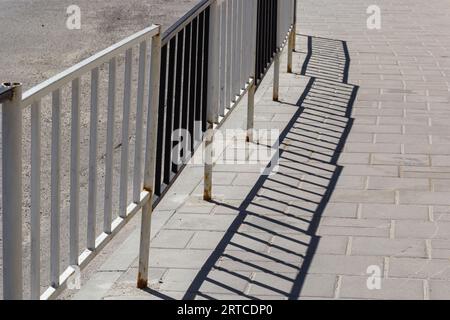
(35, 44)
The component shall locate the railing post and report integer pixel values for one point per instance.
(11, 98)
(252, 88)
(292, 36)
(213, 95)
(251, 111)
(150, 160)
(276, 69)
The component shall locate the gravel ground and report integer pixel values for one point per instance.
(35, 45)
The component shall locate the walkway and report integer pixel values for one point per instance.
(363, 184)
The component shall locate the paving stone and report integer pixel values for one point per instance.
(363, 196)
(423, 197)
(366, 170)
(318, 286)
(419, 268)
(401, 138)
(388, 183)
(288, 225)
(190, 208)
(441, 185)
(373, 148)
(368, 246)
(439, 290)
(130, 276)
(269, 284)
(354, 227)
(401, 159)
(266, 266)
(177, 258)
(440, 161)
(378, 129)
(266, 207)
(97, 286)
(173, 239)
(394, 212)
(352, 183)
(425, 172)
(340, 210)
(199, 222)
(440, 249)
(391, 289)
(437, 149)
(422, 229)
(210, 240)
(342, 264)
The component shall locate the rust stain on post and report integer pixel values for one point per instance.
(141, 283)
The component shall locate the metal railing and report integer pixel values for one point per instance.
(199, 71)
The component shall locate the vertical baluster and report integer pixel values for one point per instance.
(236, 47)
(257, 41)
(186, 89)
(291, 48)
(264, 34)
(35, 261)
(253, 61)
(169, 112)
(161, 108)
(75, 174)
(229, 33)
(177, 114)
(93, 143)
(193, 82)
(241, 47)
(150, 159)
(276, 76)
(223, 56)
(199, 76)
(246, 41)
(55, 190)
(123, 194)
(109, 175)
(137, 180)
(205, 76)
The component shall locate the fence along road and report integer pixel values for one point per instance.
(198, 72)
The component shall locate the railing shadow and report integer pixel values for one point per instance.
(278, 220)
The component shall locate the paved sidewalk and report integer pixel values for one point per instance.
(363, 183)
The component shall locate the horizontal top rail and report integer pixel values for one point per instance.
(185, 20)
(37, 92)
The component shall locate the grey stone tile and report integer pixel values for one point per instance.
(439, 290)
(368, 246)
(343, 265)
(394, 212)
(419, 268)
(173, 239)
(97, 286)
(388, 183)
(391, 289)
